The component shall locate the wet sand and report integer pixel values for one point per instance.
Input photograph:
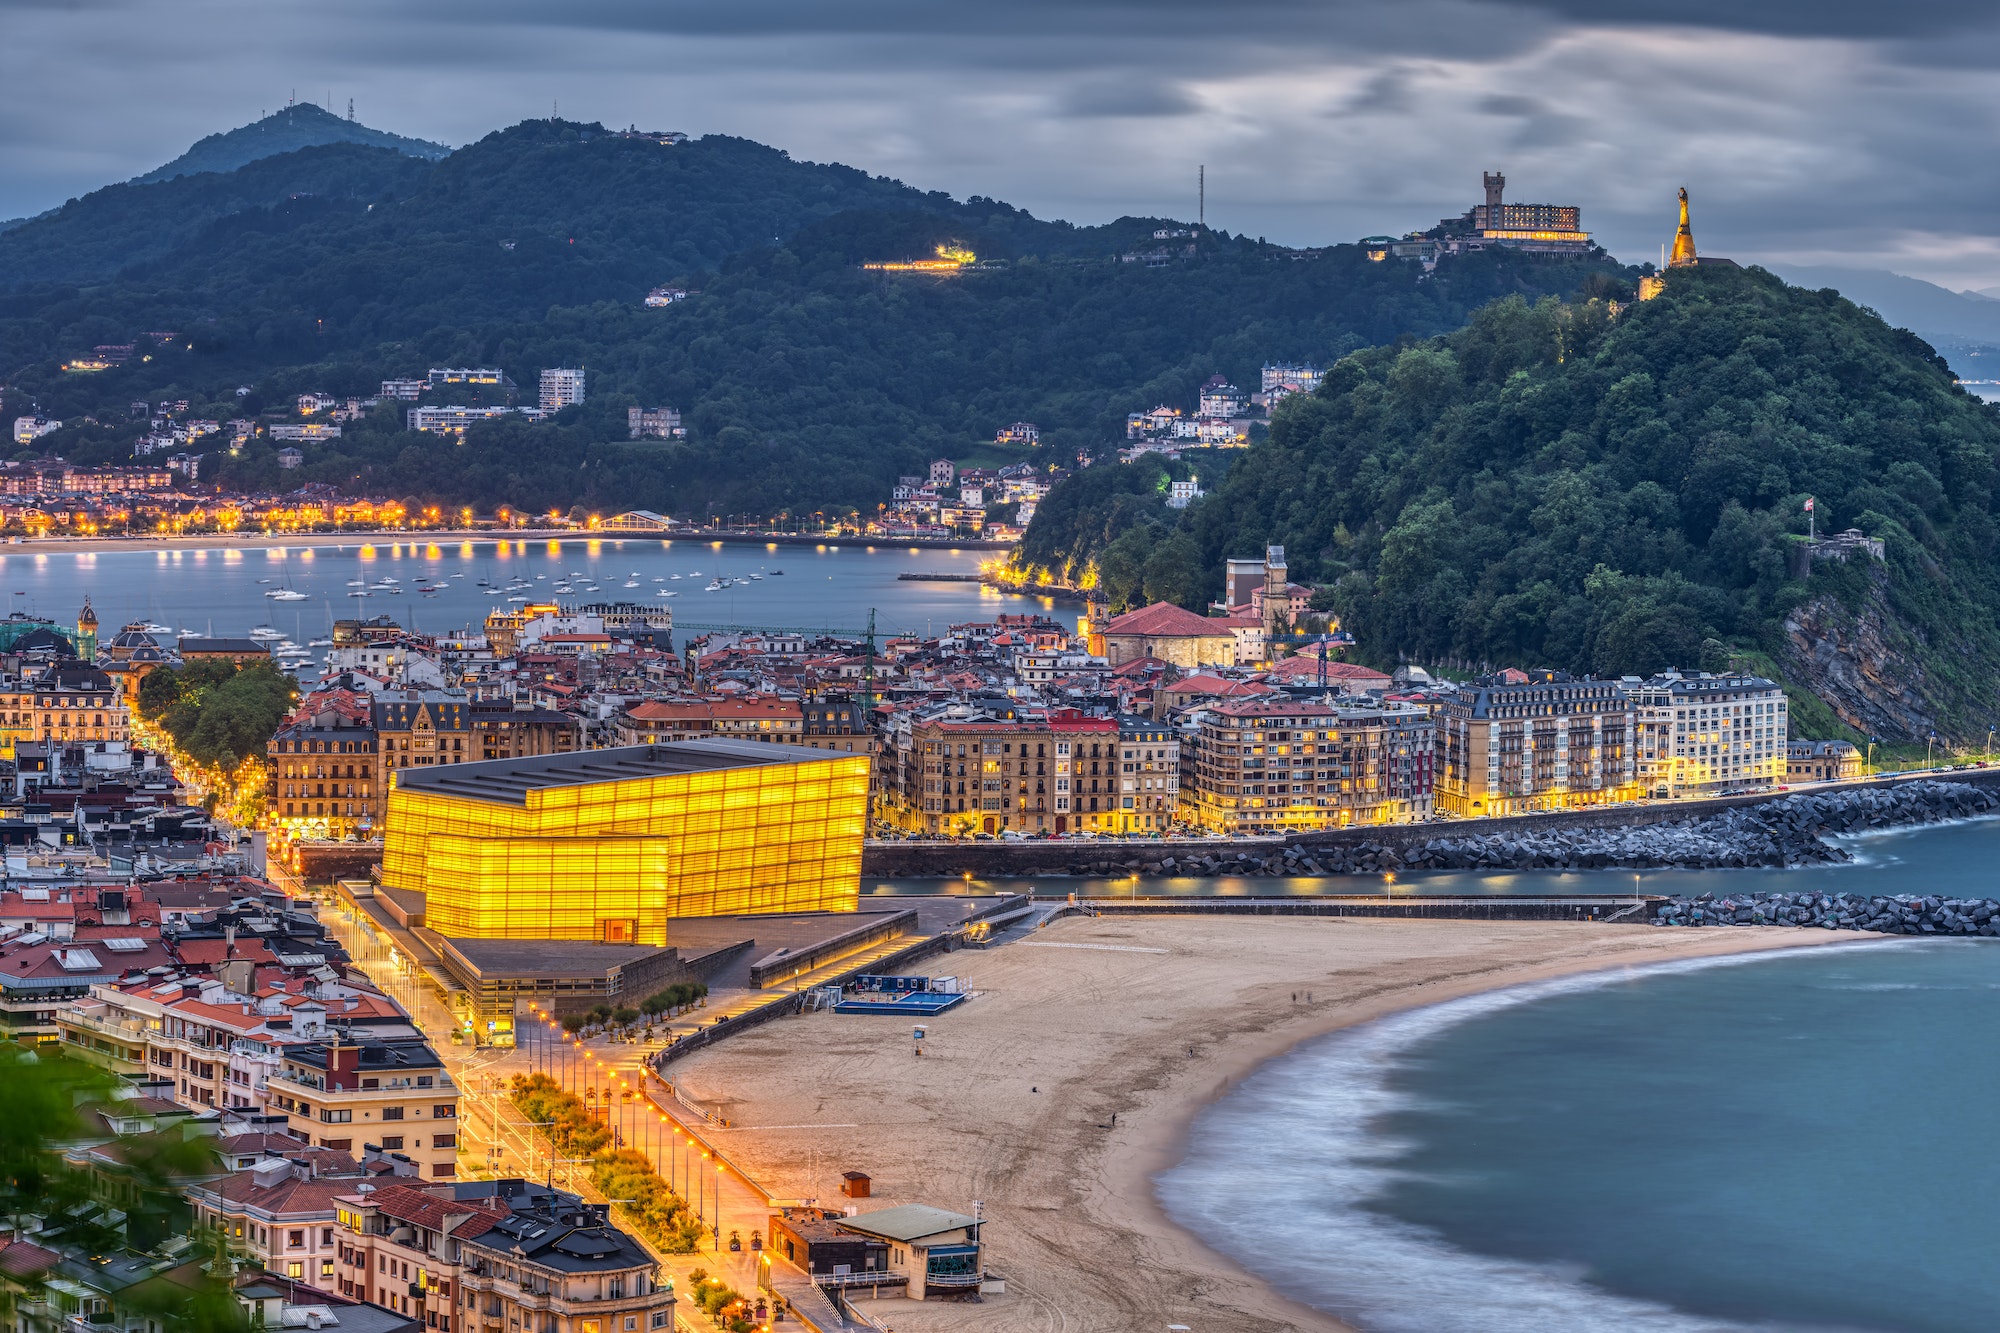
(1144, 1019)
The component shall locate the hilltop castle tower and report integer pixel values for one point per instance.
(86, 632)
(1496, 185)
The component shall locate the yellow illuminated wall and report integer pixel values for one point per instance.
(615, 860)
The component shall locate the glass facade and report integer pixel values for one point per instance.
(615, 859)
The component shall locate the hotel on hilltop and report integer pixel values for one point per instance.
(1551, 230)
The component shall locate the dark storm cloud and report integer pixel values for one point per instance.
(1832, 132)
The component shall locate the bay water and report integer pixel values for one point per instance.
(1806, 1140)
(221, 589)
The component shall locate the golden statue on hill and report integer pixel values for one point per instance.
(1683, 255)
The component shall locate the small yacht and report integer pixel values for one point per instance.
(713, 586)
(319, 643)
(285, 595)
(266, 634)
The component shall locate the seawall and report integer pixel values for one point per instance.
(1378, 846)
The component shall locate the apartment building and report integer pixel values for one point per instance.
(282, 1211)
(325, 777)
(1149, 776)
(957, 774)
(69, 702)
(216, 1041)
(757, 717)
(561, 388)
(1274, 764)
(1709, 735)
(500, 1255)
(1520, 741)
(395, 1095)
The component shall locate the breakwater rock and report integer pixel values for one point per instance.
(1903, 914)
(1791, 831)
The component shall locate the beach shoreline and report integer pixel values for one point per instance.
(1084, 1105)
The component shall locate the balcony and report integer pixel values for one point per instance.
(130, 1029)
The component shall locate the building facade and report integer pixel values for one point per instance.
(1149, 776)
(347, 1094)
(1271, 765)
(1522, 741)
(1707, 735)
(561, 388)
(611, 844)
(1821, 761)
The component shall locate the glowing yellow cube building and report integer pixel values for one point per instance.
(612, 844)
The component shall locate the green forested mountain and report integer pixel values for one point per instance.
(126, 228)
(807, 382)
(1554, 486)
(285, 130)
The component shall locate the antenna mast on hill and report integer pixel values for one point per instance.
(350, 110)
(1201, 197)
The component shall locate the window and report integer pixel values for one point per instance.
(333, 1117)
(326, 1235)
(295, 1269)
(392, 1143)
(631, 1323)
(295, 1240)
(444, 1113)
(443, 1141)
(392, 1113)
(659, 1319)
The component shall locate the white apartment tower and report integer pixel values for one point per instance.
(560, 388)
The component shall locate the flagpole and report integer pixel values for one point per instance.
(1812, 521)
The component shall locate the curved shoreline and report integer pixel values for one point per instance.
(1146, 1019)
(1534, 985)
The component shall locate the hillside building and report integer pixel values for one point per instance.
(561, 388)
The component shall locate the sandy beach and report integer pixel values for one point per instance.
(1147, 1020)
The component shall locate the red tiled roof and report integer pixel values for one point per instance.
(22, 1258)
(1217, 686)
(428, 1210)
(1165, 620)
(207, 953)
(1348, 673)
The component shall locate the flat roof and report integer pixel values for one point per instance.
(497, 959)
(910, 1222)
(508, 781)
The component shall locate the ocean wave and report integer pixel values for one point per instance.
(1280, 1174)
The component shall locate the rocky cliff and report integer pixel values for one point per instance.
(1868, 665)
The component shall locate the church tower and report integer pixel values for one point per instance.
(1683, 255)
(86, 632)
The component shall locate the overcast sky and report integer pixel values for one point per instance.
(1808, 131)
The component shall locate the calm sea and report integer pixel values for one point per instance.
(1807, 1141)
(221, 590)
